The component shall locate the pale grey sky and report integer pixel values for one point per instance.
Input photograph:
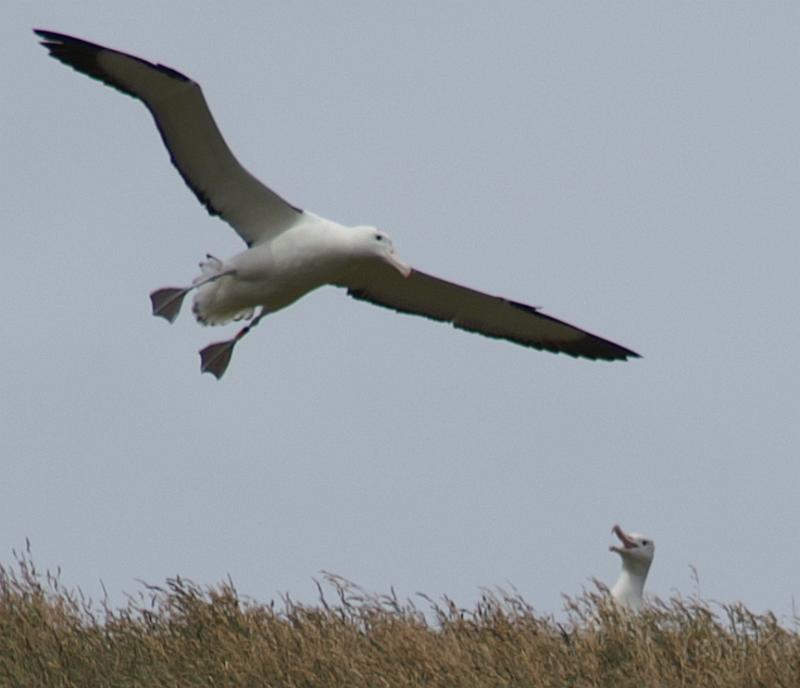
(630, 167)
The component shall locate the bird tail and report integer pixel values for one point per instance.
(211, 304)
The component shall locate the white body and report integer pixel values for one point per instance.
(274, 274)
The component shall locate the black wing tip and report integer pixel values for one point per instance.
(591, 346)
(596, 348)
(82, 56)
(55, 36)
(79, 54)
(607, 351)
(60, 43)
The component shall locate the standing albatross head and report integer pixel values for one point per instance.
(637, 553)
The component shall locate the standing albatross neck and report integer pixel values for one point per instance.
(636, 552)
(629, 588)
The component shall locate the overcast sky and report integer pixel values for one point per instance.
(629, 167)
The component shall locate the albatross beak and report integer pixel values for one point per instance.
(403, 268)
(627, 543)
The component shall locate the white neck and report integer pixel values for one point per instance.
(629, 588)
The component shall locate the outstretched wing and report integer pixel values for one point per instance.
(190, 134)
(467, 309)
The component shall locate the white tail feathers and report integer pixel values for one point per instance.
(211, 305)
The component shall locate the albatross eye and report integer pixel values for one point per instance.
(378, 237)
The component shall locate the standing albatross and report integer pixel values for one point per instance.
(637, 553)
(291, 252)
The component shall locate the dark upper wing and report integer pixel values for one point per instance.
(467, 309)
(189, 132)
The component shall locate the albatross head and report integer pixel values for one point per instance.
(374, 243)
(636, 550)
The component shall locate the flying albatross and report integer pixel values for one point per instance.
(291, 252)
(637, 553)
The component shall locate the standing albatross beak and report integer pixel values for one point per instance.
(627, 543)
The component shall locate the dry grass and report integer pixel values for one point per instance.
(183, 635)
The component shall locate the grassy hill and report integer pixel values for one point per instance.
(181, 634)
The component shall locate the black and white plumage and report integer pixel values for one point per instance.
(637, 552)
(290, 251)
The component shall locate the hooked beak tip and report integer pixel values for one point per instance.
(402, 267)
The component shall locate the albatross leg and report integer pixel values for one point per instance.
(215, 357)
(167, 302)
